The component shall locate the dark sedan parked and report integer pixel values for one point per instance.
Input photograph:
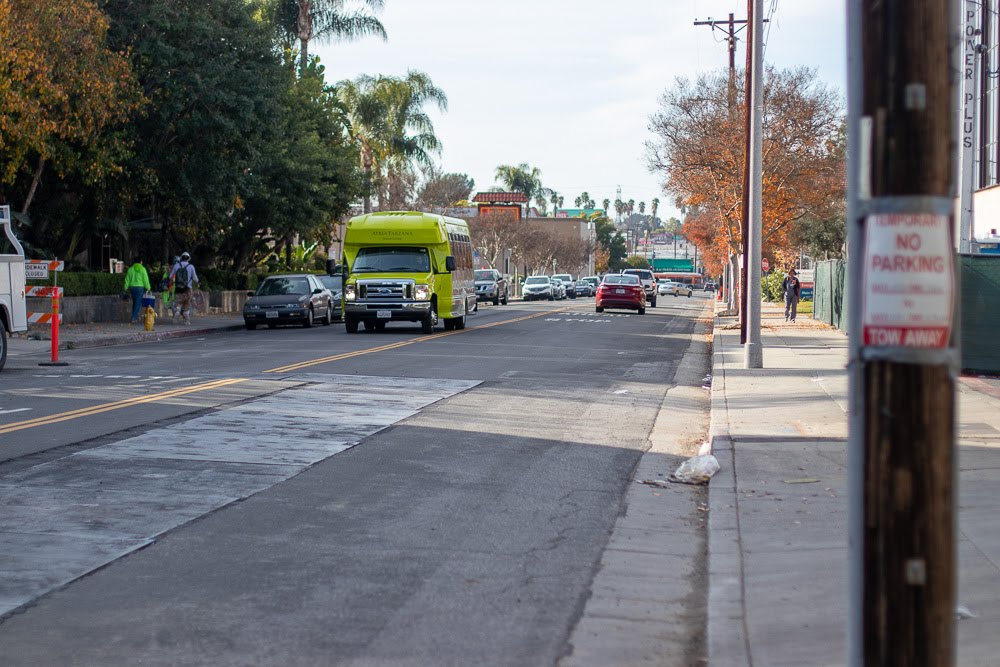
(289, 299)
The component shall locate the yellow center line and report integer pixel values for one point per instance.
(117, 405)
(412, 341)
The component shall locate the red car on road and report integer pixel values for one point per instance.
(621, 291)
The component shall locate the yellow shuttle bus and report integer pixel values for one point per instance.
(408, 266)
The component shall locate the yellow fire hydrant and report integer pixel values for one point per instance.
(148, 318)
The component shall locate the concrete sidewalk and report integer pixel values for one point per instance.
(37, 341)
(778, 508)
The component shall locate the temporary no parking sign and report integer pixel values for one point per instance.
(909, 280)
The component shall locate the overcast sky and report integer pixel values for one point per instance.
(568, 87)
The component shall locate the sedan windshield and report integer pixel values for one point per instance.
(281, 286)
(537, 280)
(398, 260)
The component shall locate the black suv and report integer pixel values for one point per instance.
(648, 283)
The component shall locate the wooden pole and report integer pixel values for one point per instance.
(745, 219)
(907, 430)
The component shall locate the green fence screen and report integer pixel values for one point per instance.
(980, 312)
(980, 303)
(830, 293)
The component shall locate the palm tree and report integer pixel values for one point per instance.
(578, 201)
(308, 20)
(525, 179)
(607, 203)
(653, 208)
(389, 125)
(556, 202)
(630, 206)
(642, 208)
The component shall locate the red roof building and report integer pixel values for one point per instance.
(499, 198)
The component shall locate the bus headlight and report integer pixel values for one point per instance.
(422, 293)
(350, 293)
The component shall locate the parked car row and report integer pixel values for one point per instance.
(306, 298)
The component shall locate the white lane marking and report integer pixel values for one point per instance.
(13, 410)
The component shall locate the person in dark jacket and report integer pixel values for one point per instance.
(793, 290)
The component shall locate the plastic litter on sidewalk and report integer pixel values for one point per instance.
(696, 470)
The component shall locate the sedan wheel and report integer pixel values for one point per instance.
(600, 309)
(642, 311)
(309, 318)
(328, 320)
(249, 325)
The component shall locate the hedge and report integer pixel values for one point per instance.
(96, 283)
(87, 283)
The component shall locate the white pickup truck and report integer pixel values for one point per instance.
(13, 308)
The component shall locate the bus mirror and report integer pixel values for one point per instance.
(331, 267)
(449, 263)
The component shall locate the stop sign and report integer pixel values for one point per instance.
(765, 265)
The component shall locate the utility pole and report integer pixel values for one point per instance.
(753, 190)
(747, 152)
(904, 355)
(730, 30)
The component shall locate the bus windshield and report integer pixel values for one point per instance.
(392, 260)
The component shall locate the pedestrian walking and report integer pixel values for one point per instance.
(136, 284)
(793, 290)
(185, 278)
(167, 285)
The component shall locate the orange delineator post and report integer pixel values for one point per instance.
(55, 326)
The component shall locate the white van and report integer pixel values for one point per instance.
(13, 308)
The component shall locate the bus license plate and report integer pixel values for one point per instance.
(384, 314)
(272, 314)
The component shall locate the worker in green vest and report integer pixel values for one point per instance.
(136, 284)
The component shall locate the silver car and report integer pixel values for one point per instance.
(558, 288)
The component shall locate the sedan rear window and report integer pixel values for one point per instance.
(624, 279)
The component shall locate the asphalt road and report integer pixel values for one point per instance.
(309, 497)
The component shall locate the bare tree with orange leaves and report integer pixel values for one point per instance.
(698, 150)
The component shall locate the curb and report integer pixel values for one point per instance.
(144, 337)
(726, 636)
